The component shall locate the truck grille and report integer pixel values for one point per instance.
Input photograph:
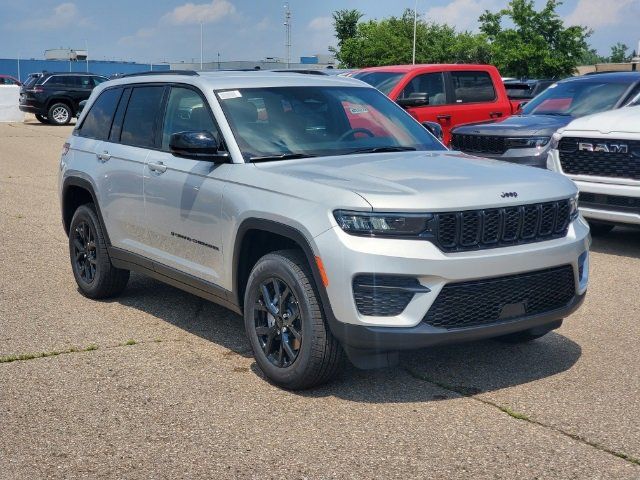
(383, 302)
(500, 227)
(478, 144)
(600, 164)
(616, 203)
(495, 300)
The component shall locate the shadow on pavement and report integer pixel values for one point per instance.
(622, 241)
(468, 368)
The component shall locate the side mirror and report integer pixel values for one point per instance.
(435, 129)
(417, 99)
(520, 105)
(199, 145)
(81, 106)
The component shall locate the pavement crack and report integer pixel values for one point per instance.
(472, 392)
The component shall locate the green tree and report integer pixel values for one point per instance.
(619, 53)
(345, 23)
(591, 57)
(536, 43)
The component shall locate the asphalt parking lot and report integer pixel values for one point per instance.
(159, 383)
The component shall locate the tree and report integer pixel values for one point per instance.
(619, 53)
(591, 57)
(537, 44)
(345, 23)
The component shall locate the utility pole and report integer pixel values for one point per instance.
(86, 44)
(287, 32)
(415, 27)
(19, 68)
(201, 24)
(218, 60)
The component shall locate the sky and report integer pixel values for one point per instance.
(169, 30)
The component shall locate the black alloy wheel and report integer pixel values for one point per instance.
(278, 322)
(84, 252)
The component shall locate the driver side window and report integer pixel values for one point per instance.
(430, 83)
(186, 111)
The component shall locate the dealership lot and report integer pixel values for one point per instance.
(159, 383)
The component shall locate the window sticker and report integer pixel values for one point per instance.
(358, 110)
(226, 95)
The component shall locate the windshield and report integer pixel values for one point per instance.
(383, 81)
(289, 122)
(576, 98)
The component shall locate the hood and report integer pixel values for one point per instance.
(425, 181)
(517, 125)
(624, 120)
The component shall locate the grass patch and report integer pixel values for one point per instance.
(53, 353)
(511, 413)
(131, 341)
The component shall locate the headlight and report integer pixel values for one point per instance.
(384, 224)
(573, 207)
(527, 142)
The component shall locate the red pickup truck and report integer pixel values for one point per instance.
(451, 95)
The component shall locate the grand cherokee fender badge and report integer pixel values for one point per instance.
(509, 194)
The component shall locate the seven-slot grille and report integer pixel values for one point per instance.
(478, 144)
(500, 227)
(495, 300)
(600, 164)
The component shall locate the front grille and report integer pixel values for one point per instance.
(615, 203)
(495, 300)
(499, 227)
(478, 144)
(600, 164)
(381, 302)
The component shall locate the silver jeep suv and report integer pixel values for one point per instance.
(322, 212)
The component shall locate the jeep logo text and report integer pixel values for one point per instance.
(509, 194)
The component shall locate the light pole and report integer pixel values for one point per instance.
(86, 49)
(287, 32)
(415, 26)
(201, 24)
(19, 68)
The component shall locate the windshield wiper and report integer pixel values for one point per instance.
(282, 156)
(389, 148)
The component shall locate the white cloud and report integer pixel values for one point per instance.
(64, 15)
(595, 13)
(321, 35)
(191, 13)
(141, 34)
(462, 14)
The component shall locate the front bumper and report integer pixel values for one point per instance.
(345, 256)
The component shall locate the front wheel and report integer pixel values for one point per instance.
(42, 118)
(59, 114)
(291, 341)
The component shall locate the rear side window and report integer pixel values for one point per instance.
(85, 82)
(472, 87)
(63, 81)
(138, 127)
(98, 121)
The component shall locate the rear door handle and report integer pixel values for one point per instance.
(495, 114)
(103, 157)
(157, 167)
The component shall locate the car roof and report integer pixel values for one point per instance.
(220, 80)
(425, 66)
(49, 74)
(613, 77)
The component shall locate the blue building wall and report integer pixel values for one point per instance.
(9, 66)
(308, 60)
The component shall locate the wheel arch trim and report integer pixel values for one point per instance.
(85, 184)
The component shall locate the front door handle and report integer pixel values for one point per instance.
(495, 114)
(157, 167)
(443, 118)
(104, 156)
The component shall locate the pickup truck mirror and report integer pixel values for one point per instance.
(435, 129)
(416, 99)
(199, 145)
(520, 105)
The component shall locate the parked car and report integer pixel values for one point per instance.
(54, 97)
(521, 91)
(447, 94)
(335, 223)
(9, 80)
(601, 154)
(525, 138)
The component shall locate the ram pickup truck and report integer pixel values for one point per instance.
(450, 95)
(601, 154)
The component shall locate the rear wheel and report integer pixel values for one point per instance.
(42, 118)
(95, 275)
(531, 334)
(291, 341)
(59, 114)
(598, 228)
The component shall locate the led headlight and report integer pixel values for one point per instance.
(384, 224)
(526, 142)
(573, 207)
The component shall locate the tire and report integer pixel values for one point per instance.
(317, 355)
(42, 118)
(59, 114)
(95, 275)
(531, 334)
(598, 229)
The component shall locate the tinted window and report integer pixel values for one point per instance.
(97, 123)
(429, 83)
(31, 81)
(473, 87)
(383, 81)
(186, 111)
(138, 127)
(85, 82)
(62, 81)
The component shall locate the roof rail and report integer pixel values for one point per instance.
(190, 73)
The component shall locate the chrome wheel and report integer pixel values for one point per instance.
(84, 252)
(278, 323)
(60, 114)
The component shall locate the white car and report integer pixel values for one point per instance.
(601, 154)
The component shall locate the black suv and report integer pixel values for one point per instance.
(55, 97)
